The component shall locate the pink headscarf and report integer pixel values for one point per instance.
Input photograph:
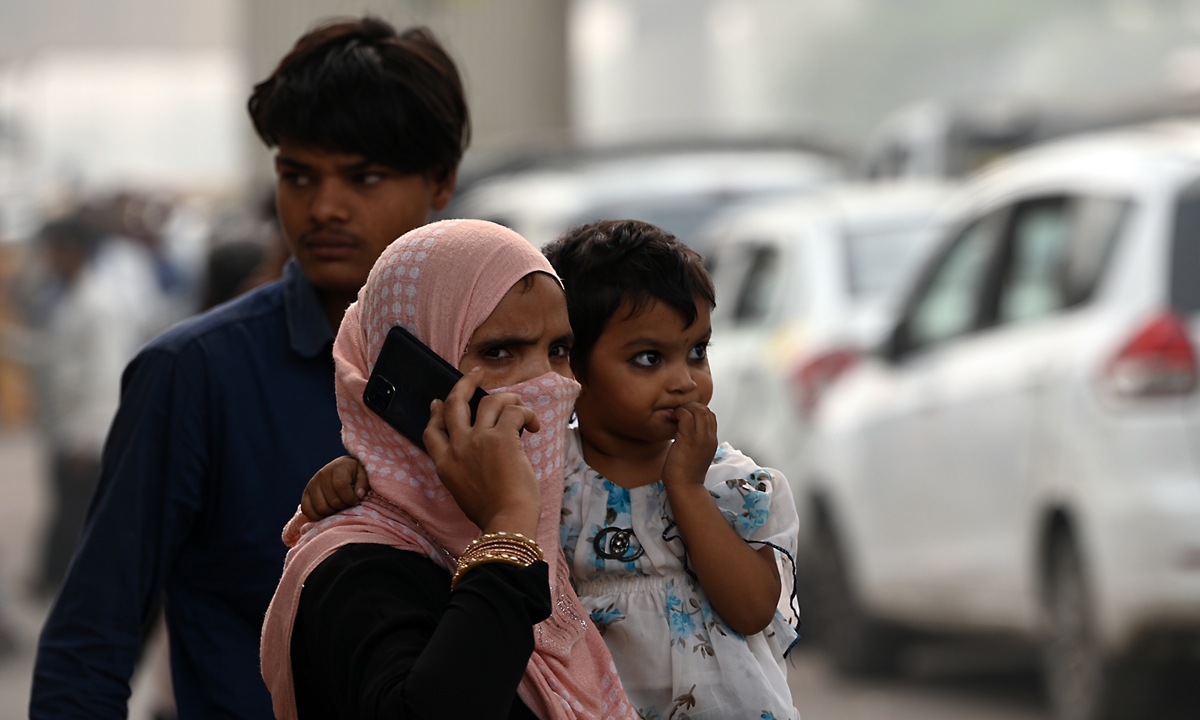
(441, 282)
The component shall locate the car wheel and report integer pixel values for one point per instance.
(857, 644)
(1082, 683)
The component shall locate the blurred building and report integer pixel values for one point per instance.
(124, 93)
(150, 95)
(832, 70)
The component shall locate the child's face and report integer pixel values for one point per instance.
(526, 336)
(642, 368)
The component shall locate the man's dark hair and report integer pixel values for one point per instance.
(611, 264)
(358, 87)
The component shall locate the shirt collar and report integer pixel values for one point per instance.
(308, 328)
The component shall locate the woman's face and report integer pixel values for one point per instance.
(526, 336)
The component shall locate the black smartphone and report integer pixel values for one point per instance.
(407, 377)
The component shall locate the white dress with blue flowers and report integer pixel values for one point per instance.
(677, 659)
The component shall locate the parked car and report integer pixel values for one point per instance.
(678, 190)
(804, 282)
(1022, 454)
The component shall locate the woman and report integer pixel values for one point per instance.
(364, 622)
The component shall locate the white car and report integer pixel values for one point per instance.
(802, 284)
(1023, 453)
(678, 190)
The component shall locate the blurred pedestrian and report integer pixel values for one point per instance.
(157, 289)
(231, 266)
(245, 252)
(276, 252)
(225, 417)
(87, 339)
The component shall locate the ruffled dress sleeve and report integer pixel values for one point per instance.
(757, 502)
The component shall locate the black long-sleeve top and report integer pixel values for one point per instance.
(378, 634)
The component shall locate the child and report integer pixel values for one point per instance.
(671, 538)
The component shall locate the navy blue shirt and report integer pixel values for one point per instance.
(223, 420)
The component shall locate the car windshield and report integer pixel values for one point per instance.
(881, 257)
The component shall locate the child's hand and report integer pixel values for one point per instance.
(337, 486)
(694, 446)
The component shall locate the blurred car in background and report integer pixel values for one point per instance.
(1022, 455)
(676, 189)
(802, 284)
(932, 139)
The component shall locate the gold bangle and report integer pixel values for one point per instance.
(503, 538)
(508, 548)
(522, 551)
(511, 543)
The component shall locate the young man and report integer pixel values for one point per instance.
(224, 418)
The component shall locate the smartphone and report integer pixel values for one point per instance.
(407, 377)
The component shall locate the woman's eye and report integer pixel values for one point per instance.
(560, 352)
(646, 359)
(370, 178)
(497, 353)
(698, 352)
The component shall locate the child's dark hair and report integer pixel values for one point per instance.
(358, 87)
(610, 263)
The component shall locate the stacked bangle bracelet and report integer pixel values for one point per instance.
(502, 547)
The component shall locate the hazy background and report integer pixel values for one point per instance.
(137, 93)
(142, 98)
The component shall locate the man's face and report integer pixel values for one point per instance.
(339, 211)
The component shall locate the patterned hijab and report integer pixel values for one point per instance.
(441, 282)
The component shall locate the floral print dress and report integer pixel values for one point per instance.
(677, 659)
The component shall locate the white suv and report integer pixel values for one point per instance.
(802, 283)
(1023, 454)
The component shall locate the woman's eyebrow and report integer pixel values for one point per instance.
(507, 340)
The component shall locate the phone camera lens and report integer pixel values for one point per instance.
(378, 395)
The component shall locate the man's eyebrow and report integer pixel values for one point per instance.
(360, 165)
(291, 163)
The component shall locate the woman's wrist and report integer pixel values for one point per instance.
(523, 520)
(498, 547)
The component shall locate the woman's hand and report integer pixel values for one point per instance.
(484, 465)
(695, 444)
(340, 484)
